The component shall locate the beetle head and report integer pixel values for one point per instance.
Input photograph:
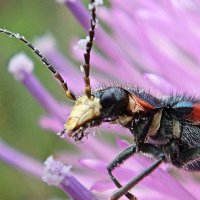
(106, 105)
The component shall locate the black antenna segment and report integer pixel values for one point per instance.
(57, 75)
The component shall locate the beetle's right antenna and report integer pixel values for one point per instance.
(93, 22)
(63, 83)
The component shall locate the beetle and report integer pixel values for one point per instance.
(166, 128)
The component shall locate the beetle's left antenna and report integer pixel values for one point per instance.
(63, 83)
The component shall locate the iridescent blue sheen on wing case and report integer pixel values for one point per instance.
(182, 108)
(183, 104)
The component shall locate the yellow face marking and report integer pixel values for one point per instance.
(85, 110)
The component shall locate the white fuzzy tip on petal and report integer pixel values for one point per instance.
(20, 65)
(95, 4)
(54, 171)
(45, 43)
(64, 1)
(81, 44)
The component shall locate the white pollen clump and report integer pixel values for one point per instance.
(95, 4)
(61, 135)
(54, 171)
(82, 68)
(19, 65)
(95, 23)
(82, 43)
(17, 35)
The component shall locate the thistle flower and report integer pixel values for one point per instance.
(151, 44)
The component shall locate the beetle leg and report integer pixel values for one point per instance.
(144, 148)
(124, 155)
(141, 137)
(123, 190)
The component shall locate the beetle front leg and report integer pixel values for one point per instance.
(124, 155)
(144, 148)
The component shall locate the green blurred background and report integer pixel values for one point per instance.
(19, 112)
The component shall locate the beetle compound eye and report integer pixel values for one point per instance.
(107, 99)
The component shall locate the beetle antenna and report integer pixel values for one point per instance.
(57, 75)
(86, 65)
